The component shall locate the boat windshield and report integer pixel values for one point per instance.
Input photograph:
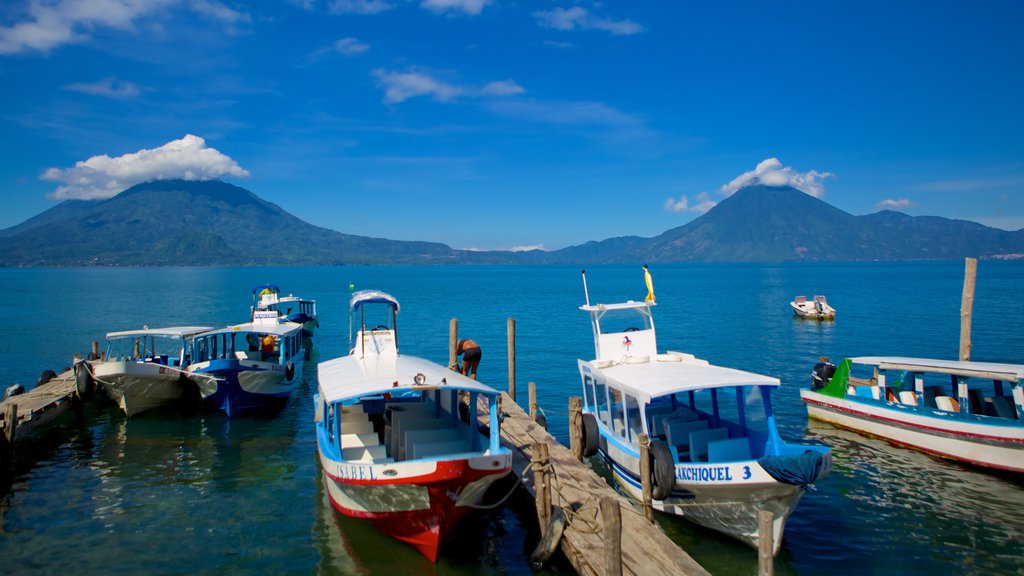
(622, 320)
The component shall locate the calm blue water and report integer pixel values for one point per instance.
(197, 493)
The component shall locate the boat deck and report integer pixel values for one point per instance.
(645, 548)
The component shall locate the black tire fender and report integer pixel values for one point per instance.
(591, 435)
(663, 470)
(45, 377)
(85, 384)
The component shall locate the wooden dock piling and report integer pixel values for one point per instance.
(611, 515)
(532, 388)
(453, 341)
(966, 307)
(540, 462)
(647, 486)
(512, 358)
(576, 427)
(765, 543)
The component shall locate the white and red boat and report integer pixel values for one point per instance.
(398, 443)
(970, 412)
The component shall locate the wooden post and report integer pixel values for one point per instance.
(95, 349)
(765, 543)
(576, 427)
(611, 516)
(541, 484)
(11, 418)
(533, 400)
(645, 475)
(966, 305)
(453, 340)
(512, 358)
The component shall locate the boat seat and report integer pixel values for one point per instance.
(699, 442)
(398, 430)
(353, 409)
(930, 393)
(354, 426)
(407, 406)
(947, 403)
(908, 397)
(731, 450)
(359, 440)
(428, 449)
(365, 454)
(413, 438)
(1004, 407)
(677, 433)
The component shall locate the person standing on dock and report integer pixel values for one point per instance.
(470, 352)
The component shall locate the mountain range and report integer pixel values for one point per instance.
(213, 223)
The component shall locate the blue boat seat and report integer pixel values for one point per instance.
(677, 432)
(731, 450)
(699, 442)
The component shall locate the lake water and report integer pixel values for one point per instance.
(198, 493)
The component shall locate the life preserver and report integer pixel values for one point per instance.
(591, 435)
(663, 470)
(289, 370)
(85, 384)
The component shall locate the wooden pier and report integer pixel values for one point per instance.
(588, 542)
(25, 413)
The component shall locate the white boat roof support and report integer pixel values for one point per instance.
(351, 377)
(170, 332)
(616, 306)
(654, 378)
(991, 370)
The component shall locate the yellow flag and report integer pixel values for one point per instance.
(650, 284)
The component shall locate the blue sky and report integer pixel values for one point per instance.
(495, 124)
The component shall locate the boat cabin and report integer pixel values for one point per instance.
(164, 346)
(263, 340)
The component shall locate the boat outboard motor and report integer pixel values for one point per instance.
(821, 374)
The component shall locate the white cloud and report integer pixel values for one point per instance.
(401, 86)
(526, 248)
(48, 25)
(350, 46)
(107, 87)
(702, 203)
(359, 6)
(771, 172)
(502, 88)
(102, 176)
(892, 204)
(471, 7)
(578, 17)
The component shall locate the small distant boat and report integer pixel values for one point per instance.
(717, 458)
(817, 309)
(143, 369)
(970, 412)
(290, 308)
(256, 365)
(398, 444)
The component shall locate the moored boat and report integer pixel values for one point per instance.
(291, 308)
(970, 412)
(816, 309)
(256, 365)
(148, 368)
(716, 455)
(398, 443)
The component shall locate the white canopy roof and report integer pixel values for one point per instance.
(350, 377)
(652, 379)
(170, 332)
(616, 306)
(372, 297)
(993, 370)
(280, 329)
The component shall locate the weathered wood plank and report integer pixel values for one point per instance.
(40, 404)
(646, 550)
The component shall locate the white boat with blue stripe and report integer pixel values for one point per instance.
(966, 411)
(257, 365)
(717, 458)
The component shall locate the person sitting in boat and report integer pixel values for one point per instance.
(470, 352)
(267, 344)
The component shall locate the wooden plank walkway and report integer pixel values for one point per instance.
(646, 550)
(39, 405)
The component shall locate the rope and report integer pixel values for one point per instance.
(516, 484)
